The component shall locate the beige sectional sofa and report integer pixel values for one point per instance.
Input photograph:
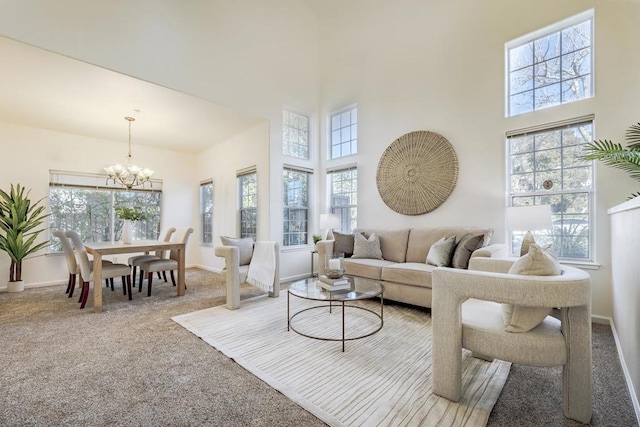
(403, 269)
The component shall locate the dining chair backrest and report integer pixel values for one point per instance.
(181, 235)
(72, 266)
(81, 255)
(165, 236)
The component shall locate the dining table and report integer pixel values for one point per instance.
(100, 249)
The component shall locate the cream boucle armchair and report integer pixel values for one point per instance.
(467, 314)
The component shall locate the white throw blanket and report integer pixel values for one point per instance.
(262, 268)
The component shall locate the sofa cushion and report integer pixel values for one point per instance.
(537, 262)
(465, 247)
(343, 243)
(245, 247)
(409, 273)
(366, 247)
(441, 251)
(393, 243)
(421, 239)
(366, 267)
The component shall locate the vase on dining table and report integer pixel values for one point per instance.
(127, 231)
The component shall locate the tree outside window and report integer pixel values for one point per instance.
(91, 213)
(551, 69)
(344, 133)
(296, 207)
(545, 169)
(248, 205)
(206, 211)
(343, 185)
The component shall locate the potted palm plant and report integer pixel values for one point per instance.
(128, 215)
(614, 154)
(19, 219)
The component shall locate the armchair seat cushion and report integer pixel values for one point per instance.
(483, 331)
(409, 273)
(243, 271)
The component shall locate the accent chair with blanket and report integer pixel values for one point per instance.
(246, 261)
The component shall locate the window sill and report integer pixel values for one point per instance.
(585, 265)
(298, 248)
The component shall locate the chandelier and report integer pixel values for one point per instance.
(129, 175)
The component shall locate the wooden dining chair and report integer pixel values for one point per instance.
(109, 271)
(72, 265)
(181, 235)
(135, 261)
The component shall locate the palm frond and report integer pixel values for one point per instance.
(633, 136)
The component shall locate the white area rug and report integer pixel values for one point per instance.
(381, 380)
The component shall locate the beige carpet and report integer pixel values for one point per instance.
(384, 379)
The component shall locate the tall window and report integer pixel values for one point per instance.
(343, 185)
(248, 186)
(551, 67)
(84, 203)
(295, 135)
(206, 211)
(544, 169)
(344, 133)
(295, 207)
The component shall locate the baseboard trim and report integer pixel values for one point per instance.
(206, 268)
(627, 377)
(38, 285)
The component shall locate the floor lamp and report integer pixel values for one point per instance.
(329, 221)
(521, 218)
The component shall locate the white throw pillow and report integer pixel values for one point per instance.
(366, 248)
(245, 247)
(537, 262)
(441, 251)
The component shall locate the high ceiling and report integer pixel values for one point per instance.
(46, 90)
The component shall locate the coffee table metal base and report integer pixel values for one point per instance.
(330, 306)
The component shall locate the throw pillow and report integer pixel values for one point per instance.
(343, 243)
(366, 248)
(440, 252)
(465, 247)
(245, 246)
(537, 262)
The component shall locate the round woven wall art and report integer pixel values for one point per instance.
(417, 172)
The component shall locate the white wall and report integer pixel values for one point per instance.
(439, 66)
(28, 154)
(251, 148)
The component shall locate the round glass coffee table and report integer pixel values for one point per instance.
(360, 289)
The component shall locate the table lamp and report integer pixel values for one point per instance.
(521, 218)
(329, 221)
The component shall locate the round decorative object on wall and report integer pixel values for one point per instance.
(417, 172)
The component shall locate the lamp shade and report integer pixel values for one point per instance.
(329, 221)
(527, 218)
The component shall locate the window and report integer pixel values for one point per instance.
(248, 204)
(551, 67)
(295, 207)
(84, 203)
(344, 133)
(343, 185)
(206, 211)
(295, 135)
(544, 169)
